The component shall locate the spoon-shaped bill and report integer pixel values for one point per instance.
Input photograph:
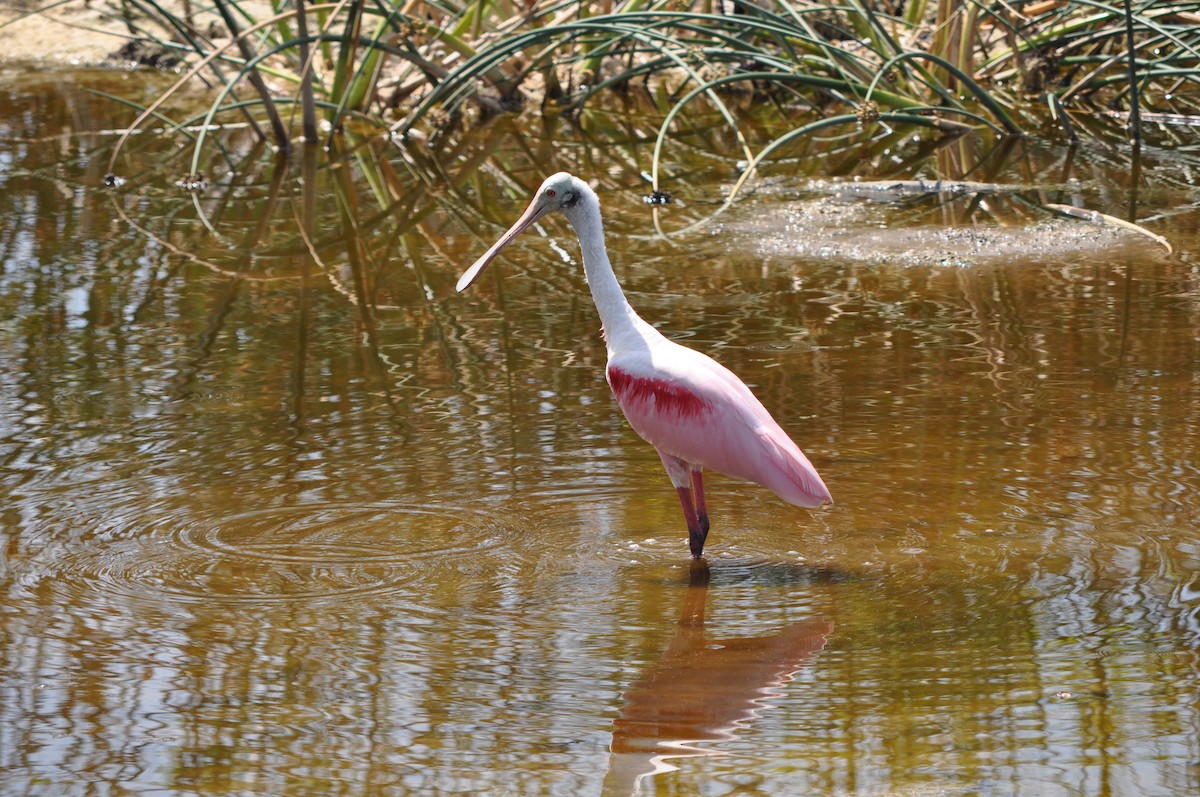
(532, 213)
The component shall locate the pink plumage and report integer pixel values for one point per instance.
(693, 410)
(691, 407)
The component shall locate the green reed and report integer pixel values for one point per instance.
(415, 66)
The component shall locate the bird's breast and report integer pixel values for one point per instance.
(657, 396)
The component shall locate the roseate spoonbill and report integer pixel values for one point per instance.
(692, 409)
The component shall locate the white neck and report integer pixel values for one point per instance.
(623, 328)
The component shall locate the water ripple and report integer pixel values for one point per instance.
(292, 553)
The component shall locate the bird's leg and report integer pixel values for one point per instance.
(684, 477)
(695, 535)
(698, 497)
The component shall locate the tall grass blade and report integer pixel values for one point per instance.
(308, 107)
(1135, 119)
(282, 139)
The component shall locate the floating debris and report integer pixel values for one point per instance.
(830, 227)
(1190, 120)
(1097, 217)
(887, 190)
(867, 112)
(658, 198)
(135, 53)
(113, 181)
(192, 183)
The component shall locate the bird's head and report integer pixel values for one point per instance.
(560, 191)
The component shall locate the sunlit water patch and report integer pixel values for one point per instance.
(850, 229)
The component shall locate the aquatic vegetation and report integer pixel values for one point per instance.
(427, 69)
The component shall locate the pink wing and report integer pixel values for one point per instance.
(686, 404)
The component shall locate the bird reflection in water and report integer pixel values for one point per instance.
(702, 690)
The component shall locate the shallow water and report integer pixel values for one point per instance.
(277, 523)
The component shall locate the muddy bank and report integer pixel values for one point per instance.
(74, 35)
(84, 34)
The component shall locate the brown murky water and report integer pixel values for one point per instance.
(282, 514)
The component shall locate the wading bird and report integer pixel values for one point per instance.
(692, 409)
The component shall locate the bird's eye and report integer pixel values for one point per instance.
(551, 192)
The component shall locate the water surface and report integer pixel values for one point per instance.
(283, 514)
